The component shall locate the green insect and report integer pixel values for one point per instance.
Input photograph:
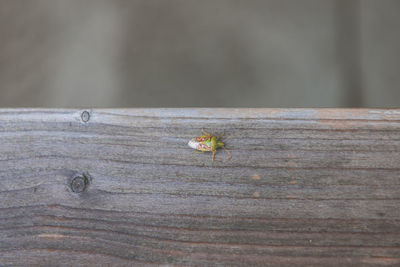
(208, 142)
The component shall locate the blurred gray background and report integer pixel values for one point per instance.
(199, 53)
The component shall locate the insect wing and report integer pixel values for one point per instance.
(203, 138)
(201, 146)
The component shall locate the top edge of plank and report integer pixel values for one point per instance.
(226, 113)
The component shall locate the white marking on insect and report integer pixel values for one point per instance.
(193, 143)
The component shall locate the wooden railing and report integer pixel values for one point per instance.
(121, 187)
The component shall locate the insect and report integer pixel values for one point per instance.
(208, 142)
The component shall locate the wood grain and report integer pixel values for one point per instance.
(303, 187)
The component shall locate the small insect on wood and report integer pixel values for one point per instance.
(208, 142)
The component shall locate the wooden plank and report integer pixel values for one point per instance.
(303, 187)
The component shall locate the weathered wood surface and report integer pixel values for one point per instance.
(303, 187)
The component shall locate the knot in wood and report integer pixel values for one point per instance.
(78, 184)
(85, 116)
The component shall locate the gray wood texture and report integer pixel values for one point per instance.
(303, 187)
